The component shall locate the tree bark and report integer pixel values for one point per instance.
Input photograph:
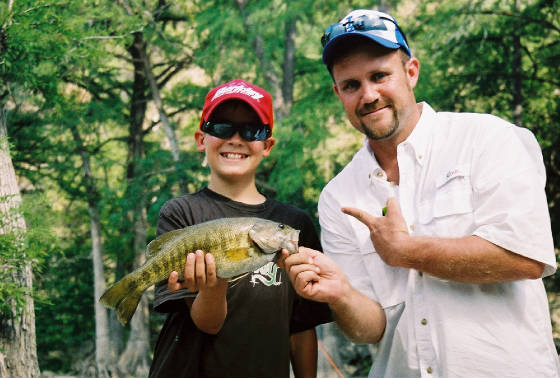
(169, 130)
(517, 72)
(282, 88)
(135, 360)
(288, 68)
(18, 348)
(103, 362)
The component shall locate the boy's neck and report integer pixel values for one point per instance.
(237, 191)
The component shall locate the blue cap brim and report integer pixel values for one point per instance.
(330, 46)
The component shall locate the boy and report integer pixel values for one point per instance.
(254, 326)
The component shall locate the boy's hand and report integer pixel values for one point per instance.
(199, 274)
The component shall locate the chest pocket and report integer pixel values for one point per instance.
(389, 283)
(449, 212)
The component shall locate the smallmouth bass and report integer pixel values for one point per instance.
(239, 246)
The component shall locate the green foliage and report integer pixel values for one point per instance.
(12, 294)
(23, 247)
(66, 71)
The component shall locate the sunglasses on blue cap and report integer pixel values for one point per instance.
(248, 131)
(371, 24)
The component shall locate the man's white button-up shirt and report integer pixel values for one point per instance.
(460, 174)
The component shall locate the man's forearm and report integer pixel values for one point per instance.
(469, 259)
(360, 318)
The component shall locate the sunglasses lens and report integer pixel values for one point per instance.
(249, 132)
(219, 130)
(363, 23)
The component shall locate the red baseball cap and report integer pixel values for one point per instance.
(257, 98)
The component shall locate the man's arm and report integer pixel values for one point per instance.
(317, 277)
(469, 259)
(303, 353)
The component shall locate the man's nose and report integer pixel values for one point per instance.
(369, 93)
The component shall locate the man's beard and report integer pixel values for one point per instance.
(394, 127)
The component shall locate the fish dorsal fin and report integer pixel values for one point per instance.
(155, 245)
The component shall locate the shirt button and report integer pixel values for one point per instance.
(411, 227)
(423, 322)
(429, 370)
(420, 274)
(379, 174)
(420, 157)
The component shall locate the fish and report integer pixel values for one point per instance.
(239, 246)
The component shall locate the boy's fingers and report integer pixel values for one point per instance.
(172, 284)
(200, 269)
(211, 277)
(190, 281)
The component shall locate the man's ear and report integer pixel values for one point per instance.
(412, 68)
(335, 89)
(268, 146)
(199, 138)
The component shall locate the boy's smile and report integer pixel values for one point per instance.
(233, 159)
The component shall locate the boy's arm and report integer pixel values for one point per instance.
(303, 353)
(209, 308)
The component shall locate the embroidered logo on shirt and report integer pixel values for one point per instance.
(267, 275)
(451, 173)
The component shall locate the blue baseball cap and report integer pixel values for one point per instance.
(379, 27)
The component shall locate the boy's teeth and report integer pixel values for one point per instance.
(233, 156)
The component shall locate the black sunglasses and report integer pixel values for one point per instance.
(363, 23)
(248, 131)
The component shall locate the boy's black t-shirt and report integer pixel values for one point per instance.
(263, 308)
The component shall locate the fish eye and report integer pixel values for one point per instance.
(281, 226)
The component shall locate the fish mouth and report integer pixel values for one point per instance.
(291, 244)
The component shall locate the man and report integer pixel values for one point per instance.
(448, 282)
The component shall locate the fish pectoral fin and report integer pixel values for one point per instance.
(263, 244)
(237, 278)
(237, 254)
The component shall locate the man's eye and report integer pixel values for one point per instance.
(350, 86)
(378, 76)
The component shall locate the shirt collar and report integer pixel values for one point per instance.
(421, 136)
(418, 140)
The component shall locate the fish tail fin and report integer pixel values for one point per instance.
(123, 296)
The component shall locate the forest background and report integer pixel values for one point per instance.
(99, 101)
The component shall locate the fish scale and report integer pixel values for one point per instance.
(239, 245)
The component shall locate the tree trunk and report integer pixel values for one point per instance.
(169, 130)
(18, 349)
(288, 68)
(104, 362)
(135, 360)
(517, 72)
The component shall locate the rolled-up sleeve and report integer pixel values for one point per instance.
(510, 205)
